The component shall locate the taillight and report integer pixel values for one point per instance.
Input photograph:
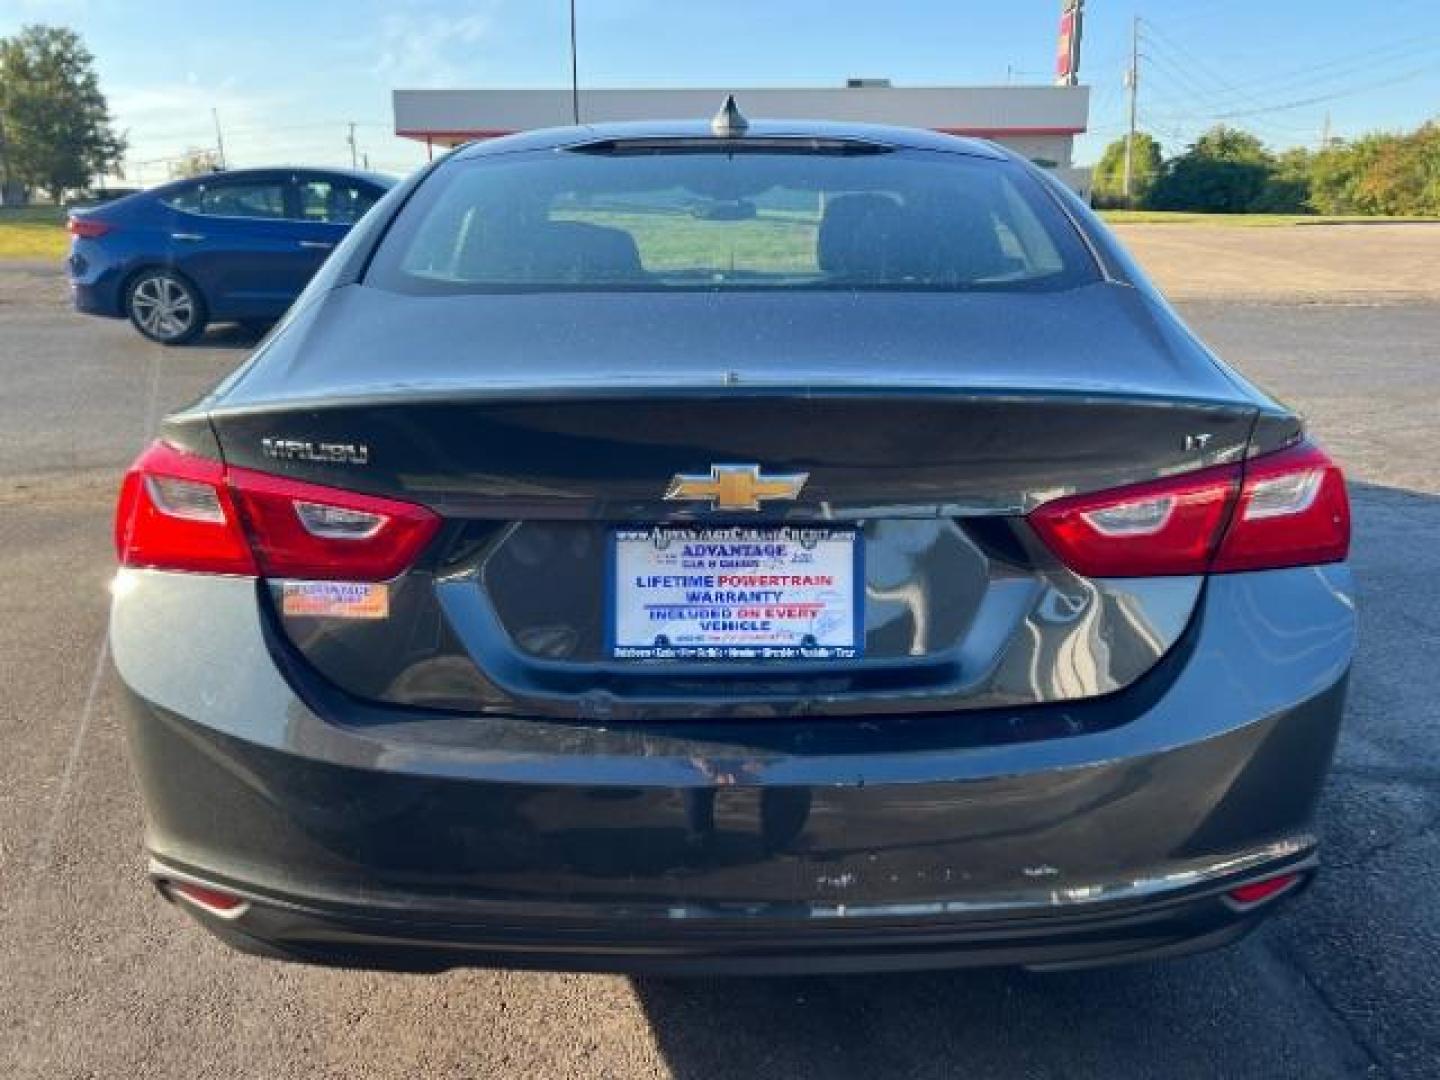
(1283, 509)
(180, 511)
(303, 530)
(176, 513)
(88, 228)
(1293, 512)
(1161, 527)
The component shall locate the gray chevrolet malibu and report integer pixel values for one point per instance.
(730, 548)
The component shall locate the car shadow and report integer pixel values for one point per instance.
(231, 336)
(1308, 994)
(1139, 1021)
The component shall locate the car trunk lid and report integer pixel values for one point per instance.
(928, 424)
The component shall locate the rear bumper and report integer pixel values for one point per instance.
(403, 840)
(1160, 921)
(95, 282)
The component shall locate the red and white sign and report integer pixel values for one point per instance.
(1067, 53)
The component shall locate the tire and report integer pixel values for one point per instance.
(165, 307)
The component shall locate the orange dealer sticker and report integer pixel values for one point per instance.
(336, 599)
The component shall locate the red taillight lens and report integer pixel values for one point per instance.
(303, 530)
(88, 227)
(1162, 527)
(176, 513)
(179, 511)
(1293, 512)
(1283, 509)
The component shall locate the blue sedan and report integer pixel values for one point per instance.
(231, 246)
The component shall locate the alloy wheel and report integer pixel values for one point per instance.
(163, 307)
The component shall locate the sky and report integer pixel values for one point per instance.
(287, 77)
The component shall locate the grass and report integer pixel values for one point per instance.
(1242, 221)
(775, 241)
(33, 232)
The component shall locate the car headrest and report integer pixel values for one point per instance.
(934, 237)
(340, 206)
(962, 239)
(858, 235)
(544, 250)
(594, 251)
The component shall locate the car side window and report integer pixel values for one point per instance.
(187, 199)
(242, 199)
(334, 201)
(249, 200)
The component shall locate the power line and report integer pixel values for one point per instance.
(1180, 81)
(1192, 13)
(1195, 91)
(1263, 108)
(1233, 95)
(1340, 67)
(1159, 41)
(1319, 99)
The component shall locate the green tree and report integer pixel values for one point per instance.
(195, 162)
(1108, 182)
(1224, 171)
(1287, 188)
(1403, 174)
(1380, 173)
(1337, 172)
(54, 123)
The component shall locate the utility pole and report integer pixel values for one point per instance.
(1132, 80)
(574, 69)
(219, 138)
(5, 189)
(1325, 133)
(354, 162)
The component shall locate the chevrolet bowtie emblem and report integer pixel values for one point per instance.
(735, 487)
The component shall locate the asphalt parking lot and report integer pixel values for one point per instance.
(100, 979)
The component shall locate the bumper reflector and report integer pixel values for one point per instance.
(1257, 891)
(215, 901)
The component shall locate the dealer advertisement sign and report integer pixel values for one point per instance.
(736, 593)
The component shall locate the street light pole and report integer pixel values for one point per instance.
(219, 138)
(574, 69)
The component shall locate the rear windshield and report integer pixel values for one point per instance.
(712, 219)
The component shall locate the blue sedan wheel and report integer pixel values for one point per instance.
(165, 307)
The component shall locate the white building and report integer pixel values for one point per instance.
(1040, 122)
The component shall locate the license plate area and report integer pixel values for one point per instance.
(742, 593)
